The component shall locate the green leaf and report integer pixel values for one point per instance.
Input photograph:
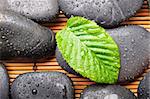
(89, 50)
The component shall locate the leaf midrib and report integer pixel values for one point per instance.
(94, 55)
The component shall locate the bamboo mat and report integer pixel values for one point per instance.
(142, 18)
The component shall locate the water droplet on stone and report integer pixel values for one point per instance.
(111, 96)
(47, 96)
(34, 91)
(143, 64)
(129, 10)
(3, 37)
(96, 3)
(18, 52)
(105, 14)
(17, 3)
(131, 62)
(11, 43)
(1, 29)
(124, 55)
(98, 10)
(7, 41)
(133, 54)
(132, 40)
(128, 59)
(103, 1)
(126, 49)
(29, 82)
(7, 44)
(24, 85)
(103, 22)
(72, 16)
(126, 69)
(37, 85)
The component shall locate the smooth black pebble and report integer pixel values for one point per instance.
(107, 13)
(107, 92)
(134, 42)
(62, 62)
(38, 10)
(23, 38)
(144, 88)
(44, 85)
(4, 82)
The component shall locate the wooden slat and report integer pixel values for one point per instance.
(142, 18)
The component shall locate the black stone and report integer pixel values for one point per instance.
(38, 10)
(107, 92)
(23, 38)
(144, 88)
(4, 82)
(44, 85)
(107, 13)
(133, 42)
